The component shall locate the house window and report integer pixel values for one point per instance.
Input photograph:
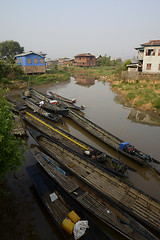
(150, 52)
(158, 52)
(41, 60)
(29, 60)
(148, 66)
(35, 60)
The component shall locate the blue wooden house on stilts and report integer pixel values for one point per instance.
(31, 62)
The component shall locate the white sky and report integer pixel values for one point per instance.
(65, 28)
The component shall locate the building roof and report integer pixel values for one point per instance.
(152, 43)
(30, 52)
(140, 48)
(85, 55)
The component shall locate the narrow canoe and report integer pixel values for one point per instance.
(102, 160)
(131, 199)
(104, 210)
(35, 107)
(60, 206)
(65, 102)
(58, 97)
(124, 148)
(48, 105)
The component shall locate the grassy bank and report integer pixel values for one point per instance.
(22, 81)
(99, 72)
(143, 94)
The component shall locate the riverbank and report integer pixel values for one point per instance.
(22, 81)
(143, 94)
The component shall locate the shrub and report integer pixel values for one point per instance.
(130, 96)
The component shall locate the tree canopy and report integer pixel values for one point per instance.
(8, 50)
(12, 148)
(9, 71)
(127, 62)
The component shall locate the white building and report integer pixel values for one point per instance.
(149, 56)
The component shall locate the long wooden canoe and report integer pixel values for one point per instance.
(61, 98)
(66, 103)
(61, 207)
(102, 160)
(132, 200)
(36, 98)
(104, 210)
(124, 148)
(51, 116)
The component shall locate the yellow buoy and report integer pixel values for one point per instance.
(68, 225)
(73, 216)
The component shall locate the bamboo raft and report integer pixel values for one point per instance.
(19, 127)
(112, 141)
(62, 207)
(102, 160)
(104, 210)
(132, 200)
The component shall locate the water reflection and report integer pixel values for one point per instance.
(138, 116)
(84, 80)
(143, 118)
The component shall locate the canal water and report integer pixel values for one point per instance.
(106, 109)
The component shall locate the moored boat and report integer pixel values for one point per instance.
(35, 107)
(119, 145)
(131, 199)
(104, 210)
(66, 102)
(43, 102)
(70, 217)
(59, 97)
(84, 150)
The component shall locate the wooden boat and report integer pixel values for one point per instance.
(66, 103)
(84, 150)
(124, 148)
(35, 107)
(104, 210)
(37, 98)
(64, 210)
(61, 98)
(132, 200)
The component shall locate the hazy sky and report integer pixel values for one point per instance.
(65, 28)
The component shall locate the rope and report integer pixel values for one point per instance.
(49, 126)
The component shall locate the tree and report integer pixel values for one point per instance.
(12, 148)
(127, 62)
(3, 69)
(8, 50)
(105, 61)
(10, 71)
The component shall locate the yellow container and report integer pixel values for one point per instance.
(73, 216)
(68, 225)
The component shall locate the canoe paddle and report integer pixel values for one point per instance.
(54, 165)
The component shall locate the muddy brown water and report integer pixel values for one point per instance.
(103, 107)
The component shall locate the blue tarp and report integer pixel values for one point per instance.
(123, 144)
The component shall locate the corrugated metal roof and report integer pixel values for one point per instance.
(152, 43)
(85, 55)
(30, 52)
